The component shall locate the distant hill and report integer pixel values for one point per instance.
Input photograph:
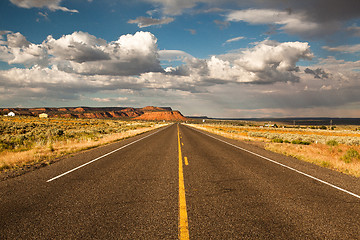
(146, 113)
(307, 121)
(163, 115)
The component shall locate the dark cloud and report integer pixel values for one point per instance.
(307, 18)
(148, 21)
(318, 73)
(326, 10)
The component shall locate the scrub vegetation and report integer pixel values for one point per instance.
(333, 147)
(25, 141)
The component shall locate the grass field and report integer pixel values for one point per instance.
(30, 140)
(336, 149)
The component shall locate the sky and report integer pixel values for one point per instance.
(230, 58)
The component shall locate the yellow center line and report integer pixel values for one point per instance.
(183, 218)
(186, 161)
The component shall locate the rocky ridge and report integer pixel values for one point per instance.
(146, 113)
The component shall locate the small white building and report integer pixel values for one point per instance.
(43, 115)
(11, 114)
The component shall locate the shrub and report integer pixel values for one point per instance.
(325, 164)
(277, 140)
(298, 141)
(332, 143)
(350, 155)
(60, 132)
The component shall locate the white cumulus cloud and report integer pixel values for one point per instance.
(84, 53)
(78, 47)
(266, 62)
(16, 49)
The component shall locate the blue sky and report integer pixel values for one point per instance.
(217, 58)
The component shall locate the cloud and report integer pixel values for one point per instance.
(267, 62)
(321, 10)
(234, 39)
(129, 55)
(293, 23)
(344, 48)
(83, 53)
(222, 24)
(52, 83)
(16, 40)
(16, 49)
(275, 55)
(105, 100)
(354, 30)
(307, 18)
(318, 73)
(264, 76)
(78, 47)
(44, 15)
(174, 7)
(146, 21)
(52, 5)
(173, 55)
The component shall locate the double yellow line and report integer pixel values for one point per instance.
(183, 218)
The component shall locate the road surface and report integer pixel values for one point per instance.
(180, 183)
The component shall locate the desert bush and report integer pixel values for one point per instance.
(299, 141)
(350, 155)
(277, 140)
(332, 143)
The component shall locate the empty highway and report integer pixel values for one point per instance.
(180, 183)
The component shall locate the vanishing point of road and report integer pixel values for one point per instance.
(180, 183)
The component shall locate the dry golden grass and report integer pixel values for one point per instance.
(47, 153)
(318, 152)
(227, 132)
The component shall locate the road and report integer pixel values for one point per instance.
(180, 183)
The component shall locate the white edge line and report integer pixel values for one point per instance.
(83, 165)
(283, 165)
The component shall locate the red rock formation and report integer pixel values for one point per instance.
(146, 113)
(79, 109)
(152, 109)
(163, 115)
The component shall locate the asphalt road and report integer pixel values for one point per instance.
(133, 190)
